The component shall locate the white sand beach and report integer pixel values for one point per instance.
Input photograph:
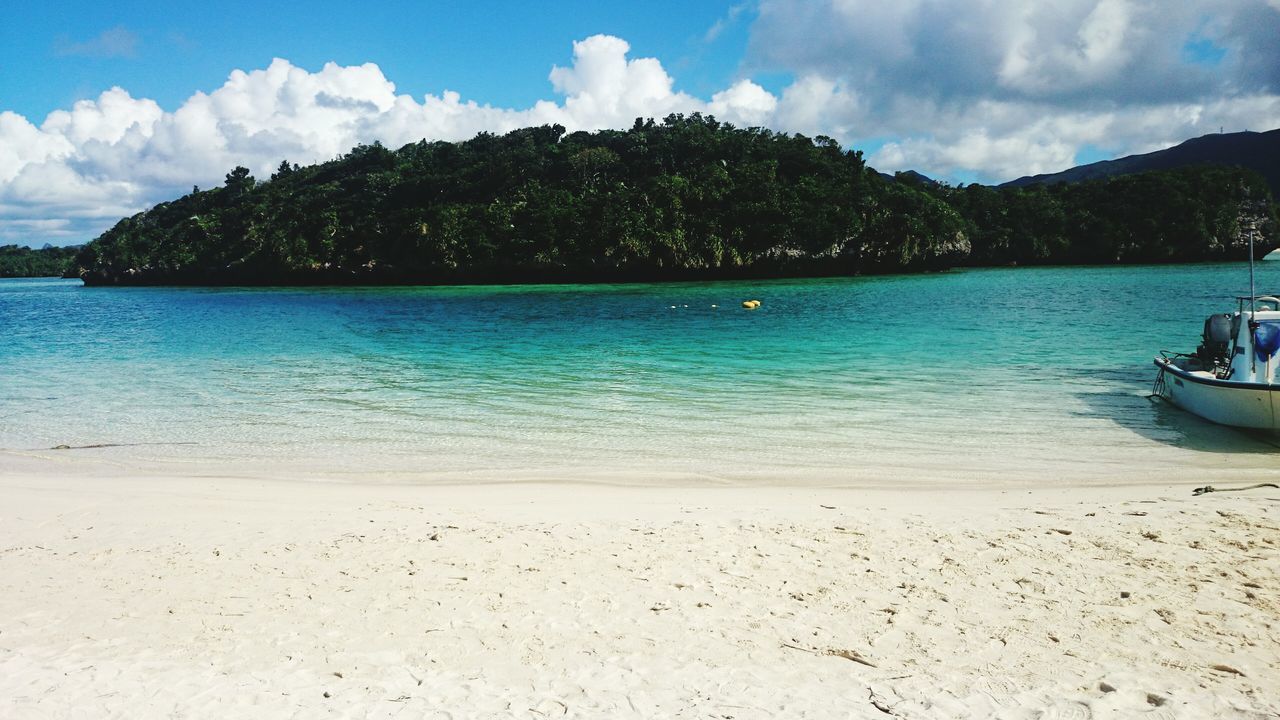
(224, 598)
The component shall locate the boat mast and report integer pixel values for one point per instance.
(1253, 295)
(1253, 313)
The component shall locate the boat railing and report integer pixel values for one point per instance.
(1220, 367)
(1250, 301)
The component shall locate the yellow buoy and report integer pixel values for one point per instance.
(751, 304)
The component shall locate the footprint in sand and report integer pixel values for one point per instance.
(1067, 711)
(997, 688)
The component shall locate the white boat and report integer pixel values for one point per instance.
(1231, 378)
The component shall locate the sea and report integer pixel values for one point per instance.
(1011, 376)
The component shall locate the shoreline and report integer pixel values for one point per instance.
(1183, 469)
(357, 280)
(143, 597)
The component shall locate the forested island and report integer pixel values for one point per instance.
(686, 198)
(48, 261)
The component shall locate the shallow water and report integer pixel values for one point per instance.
(1018, 375)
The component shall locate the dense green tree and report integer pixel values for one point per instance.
(48, 261)
(687, 197)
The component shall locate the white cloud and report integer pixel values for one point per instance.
(45, 228)
(997, 88)
(106, 120)
(1007, 140)
(729, 20)
(744, 103)
(816, 105)
(115, 155)
(1040, 62)
(118, 41)
(22, 144)
(1004, 88)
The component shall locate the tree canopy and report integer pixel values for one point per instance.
(48, 261)
(689, 197)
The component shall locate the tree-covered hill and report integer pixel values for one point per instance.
(686, 198)
(1257, 151)
(48, 261)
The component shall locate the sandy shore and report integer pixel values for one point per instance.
(150, 598)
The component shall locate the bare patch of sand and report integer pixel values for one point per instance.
(220, 598)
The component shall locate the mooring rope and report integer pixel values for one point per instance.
(1158, 387)
(1209, 488)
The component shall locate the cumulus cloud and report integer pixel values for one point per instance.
(1005, 140)
(83, 168)
(1003, 88)
(744, 103)
(816, 105)
(993, 89)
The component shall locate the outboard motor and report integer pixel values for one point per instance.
(1215, 350)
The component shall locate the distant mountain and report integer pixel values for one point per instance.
(911, 177)
(1257, 151)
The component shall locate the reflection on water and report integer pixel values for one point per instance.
(1030, 375)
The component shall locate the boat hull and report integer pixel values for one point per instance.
(1248, 405)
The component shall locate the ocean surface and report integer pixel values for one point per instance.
(1021, 375)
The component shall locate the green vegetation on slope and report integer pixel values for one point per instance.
(690, 197)
(48, 261)
(1258, 151)
(1186, 215)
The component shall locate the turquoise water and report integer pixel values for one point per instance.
(1023, 375)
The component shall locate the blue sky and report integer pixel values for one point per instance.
(109, 108)
(496, 52)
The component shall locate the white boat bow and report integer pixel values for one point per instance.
(1231, 378)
